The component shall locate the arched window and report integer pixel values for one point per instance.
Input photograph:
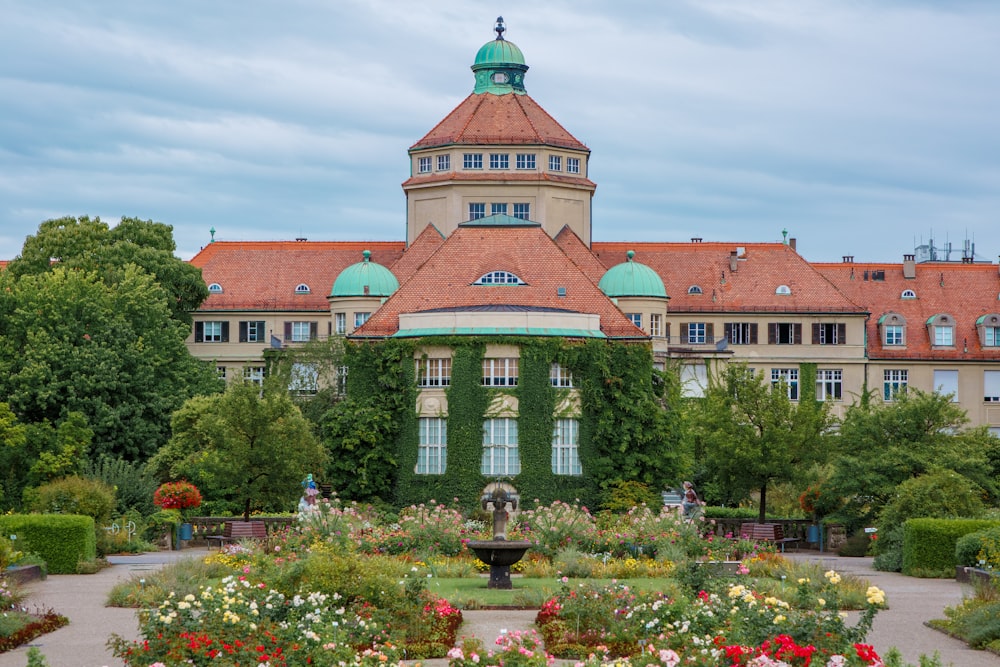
(783, 290)
(302, 288)
(499, 278)
(694, 289)
(908, 294)
(215, 288)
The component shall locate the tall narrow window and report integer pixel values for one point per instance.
(655, 325)
(500, 455)
(566, 448)
(789, 377)
(444, 162)
(893, 382)
(340, 323)
(829, 385)
(432, 452)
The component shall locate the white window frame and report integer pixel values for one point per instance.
(525, 161)
(741, 333)
(472, 161)
(500, 371)
(560, 377)
(443, 162)
(655, 324)
(254, 374)
(498, 208)
(500, 450)
(894, 381)
(636, 318)
(499, 278)
(893, 335)
(946, 382)
(215, 326)
(944, 335)
(434, 372)
(477, 210)
(340, 323)
(301, 332)
(360, 318)
(522, 211)
(499, 161)
(432, 450)
(829, 384)
(566, 448)
(991, 336)
(791, 378)
(697, 333)
(991, 386)
(555, 163)
(424, 165)
(572, 165)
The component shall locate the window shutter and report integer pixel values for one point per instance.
(772, 333)
(329, 328)
(797, 331)
(753, 333)
(841, 334)
(288, 330)
(684, 332)
(243, 331)
(199, 332)
(225, 332)
(666, 331)
(816, 333)
(728, 331)
(709, 333)
(313, 330)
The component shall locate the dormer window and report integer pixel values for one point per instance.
(215, 288)
(694, 289)
(783, 290)
(302, 288)
(908, 294)
(893, 329)
(941, 329)
(499, 278)
(988, 327)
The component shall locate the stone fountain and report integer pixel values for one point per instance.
(499, 553)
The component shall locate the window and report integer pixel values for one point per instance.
(525, 161)
(790, 378)
(893, 334)
(695, 289)
(340, 323)
(655, 324)
(573, 165)
(559, 376)
(500, 456)
(304, 380)
(252, 331)
(220, 371)
(522, 211)
(498, 209)
(215, 288)
(783, 290)
(432, 451)
(944, 336)
(444, 162)
(636, 318)
(988, 327)
(555, 163)
(499, 278)
(500, 372)
(908, 294)
(433, 372)
(566, 448)
(829, 385)
(477, 210)
(360, 318)
(741, 333)
(829, 334)
(946, 382)
(302, 288)
(893, 382)
(299, 332)
(696, 333)
(941, 329)
(784, 333)
(341, 380)
(472, 161)
(424, 165)
(499, 161)
(254, 374)
(211, 332)
(991, 337)
(694, 380)
(991, 386)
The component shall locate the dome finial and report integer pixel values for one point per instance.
(367, 254)
(499, 27)
(630, 254)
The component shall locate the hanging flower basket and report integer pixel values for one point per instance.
(177, 496)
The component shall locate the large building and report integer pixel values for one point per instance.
(498, 246)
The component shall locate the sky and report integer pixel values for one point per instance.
(862, 127)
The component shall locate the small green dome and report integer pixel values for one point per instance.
(499, 66)
(499, 52)
(632, 279)
(366, 278)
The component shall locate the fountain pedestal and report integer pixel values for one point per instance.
(499, 553)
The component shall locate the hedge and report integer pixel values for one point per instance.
(929, 544)
(61, 540)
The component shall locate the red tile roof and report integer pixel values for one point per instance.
(262, 275)
(761, 268)
(964, 291)
(580, 254)
(485, 119)
(427, 241)
(445, 280)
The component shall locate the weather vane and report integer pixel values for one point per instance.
(499, 28)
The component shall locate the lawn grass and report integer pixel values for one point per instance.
(528, 592)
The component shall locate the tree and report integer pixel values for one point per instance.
(249, 446)
(753, 435)
(881, 445)
(70, 342)
(91, 245)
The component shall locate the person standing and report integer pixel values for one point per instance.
(690, 503)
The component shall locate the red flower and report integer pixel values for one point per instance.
(177, 495)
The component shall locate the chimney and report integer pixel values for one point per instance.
(909, 266)
(848, 259)
(733, 261)
(792, 244)
(695, 239)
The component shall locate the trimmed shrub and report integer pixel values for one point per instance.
(982, 545)
(75, 495)
(62, 540)
(929, 544)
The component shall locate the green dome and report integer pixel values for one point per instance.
(499, 52)
(499, 66)
(632, 279)
(366, 278)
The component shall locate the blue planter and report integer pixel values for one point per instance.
(184, 531)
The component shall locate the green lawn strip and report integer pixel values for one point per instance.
(530, 593)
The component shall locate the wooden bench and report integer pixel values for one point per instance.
(234, 531)
(766, 532)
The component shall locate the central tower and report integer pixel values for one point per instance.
(499, 153)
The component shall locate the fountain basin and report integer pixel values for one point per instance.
(499, 555)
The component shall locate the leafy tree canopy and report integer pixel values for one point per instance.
(248, 446)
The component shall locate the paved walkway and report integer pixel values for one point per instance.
(82, 642)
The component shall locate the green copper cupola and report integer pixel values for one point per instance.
(499, 66)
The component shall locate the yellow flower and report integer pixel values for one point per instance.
(875, 595)
(803, 580)
(778, 619)
(832, 576)
(821, 602)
